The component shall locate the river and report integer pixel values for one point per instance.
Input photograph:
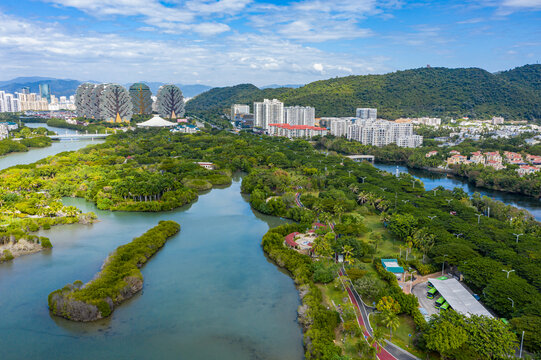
(36, 154)
(433, 180)
(210, 293)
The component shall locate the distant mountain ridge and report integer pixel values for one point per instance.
(67, 87)
(474, 92)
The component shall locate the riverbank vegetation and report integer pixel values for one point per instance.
(481, 176)
(367, 214)
(28, 138)
(118, 280)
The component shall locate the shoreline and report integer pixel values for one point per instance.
(20, 248)
(454, 173)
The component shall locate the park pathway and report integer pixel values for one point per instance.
(389, 351)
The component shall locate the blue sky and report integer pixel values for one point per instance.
(228, 42)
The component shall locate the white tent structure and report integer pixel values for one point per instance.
(156, 121)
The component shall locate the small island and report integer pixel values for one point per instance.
(118, 280)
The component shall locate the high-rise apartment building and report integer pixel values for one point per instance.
(339, 126)
(238, 109)
(268, 112)
(382, 132)
(300, 115)
(367, 113)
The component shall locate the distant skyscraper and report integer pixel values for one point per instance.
(45, 92)
(367, 113)
(25, 90)
(268, 112)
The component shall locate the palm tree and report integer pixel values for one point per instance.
(347, 250)
(338, 210)
(378, 336)
(354, 188)
(424, 241)
(362, 197)
(391, 321)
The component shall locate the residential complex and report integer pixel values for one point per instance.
(296, 131)
(528, 165)
(268, 112)
(300, 115)
(383, 132)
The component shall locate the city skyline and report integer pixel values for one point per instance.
(228, 42)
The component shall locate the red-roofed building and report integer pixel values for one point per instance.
(527, 169)
(290, 239)
(296, 131)
(493, 156)
(454, 152)
(431, 153)
(477, 158)
(534, 159)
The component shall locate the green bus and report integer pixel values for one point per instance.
(440, 301)
(431, 293)
(445, 306)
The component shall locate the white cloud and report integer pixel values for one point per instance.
(51, 50)
(522, 3)
(170, 19)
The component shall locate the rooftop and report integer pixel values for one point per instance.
(459, 298)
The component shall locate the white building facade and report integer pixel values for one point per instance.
(382, 132)
(268, 112)
(300, 115)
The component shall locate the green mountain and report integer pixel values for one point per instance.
(513, 94)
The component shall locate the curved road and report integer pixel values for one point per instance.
(389, 351)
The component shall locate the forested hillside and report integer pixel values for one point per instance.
(514, 94)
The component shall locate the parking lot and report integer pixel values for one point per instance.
(420, 290)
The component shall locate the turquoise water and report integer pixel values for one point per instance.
(210, 293)
(56, 147)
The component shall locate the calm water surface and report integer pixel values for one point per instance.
(210, 293)
(433, 180)
(56, 147)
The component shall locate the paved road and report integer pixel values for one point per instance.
(389, 351)
(420, 290)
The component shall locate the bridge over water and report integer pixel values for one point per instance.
(360, 158)
(78, 136)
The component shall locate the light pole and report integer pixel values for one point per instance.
(478, 218)
(457, 235)
(432, 217)
(405, 201)
(517, 235)
(508, 272)
(443, 264)
(349, 173)
(435, 190)
(448, 201)
(521, 342)
(383, 189)
(363, 177)
(411, 278)
(512, 302)
(413, 183)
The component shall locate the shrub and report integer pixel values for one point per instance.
(45, 242)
